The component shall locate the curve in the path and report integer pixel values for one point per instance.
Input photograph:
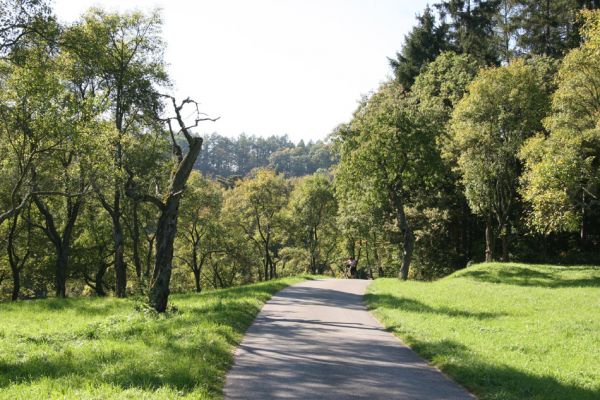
(316, 340)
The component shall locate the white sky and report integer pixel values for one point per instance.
(295, 67)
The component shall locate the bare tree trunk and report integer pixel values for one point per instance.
(119, 243)
(16, 277)
(135, 238)
(167, 228)
(99, 280)
(197, 267)
(505, 243)
(408, 243)
(16, 263)
(149, 254)
(197, 281)
(489, 240)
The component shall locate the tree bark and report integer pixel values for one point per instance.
(505, 243)
(99, 280)
(16, 263)
(408, 244)
(489, 240)
(167, 228)
(16, 277)
(118, 238)
(135, 238)
(197, 281)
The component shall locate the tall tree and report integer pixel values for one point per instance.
(472, 27)
(312, 209)
(257, 204)
(421, 46)
(168, 202)
(503, 108)
(561, 182)
(446, 219)
(201, 233)
(121, 58)
(388, 154)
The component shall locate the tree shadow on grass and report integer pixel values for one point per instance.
(524, 276)
(493, 381)
(375, 301)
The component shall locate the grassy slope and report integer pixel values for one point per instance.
(103, 348)
(505, 331)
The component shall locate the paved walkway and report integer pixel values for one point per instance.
(316, 340)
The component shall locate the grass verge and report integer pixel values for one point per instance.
(504, 331)
(95, 348)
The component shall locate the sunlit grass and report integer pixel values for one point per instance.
(505, 331)
(93, 348)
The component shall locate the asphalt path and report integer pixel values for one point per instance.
(316, 340)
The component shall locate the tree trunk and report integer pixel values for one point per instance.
(196, 268)
(135, 238)
(408, 241)
(167, 227)
(197, 279)
(505, 243)
(99, 280)
(267, 258)
(489, 240)
(61, 272)
(16, 277)
(120, 266)
(16, 263)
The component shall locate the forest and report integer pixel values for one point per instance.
(483, 145)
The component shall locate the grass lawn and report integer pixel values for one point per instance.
(94, 348)
(504, 331)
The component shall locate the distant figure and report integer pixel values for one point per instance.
(351, 263)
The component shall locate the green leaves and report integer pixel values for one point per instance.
(504, 107)
(561, 181)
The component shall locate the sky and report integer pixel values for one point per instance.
(274, 67)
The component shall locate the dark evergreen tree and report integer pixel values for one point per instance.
(421, 46)
(472, 27)
(548, 27)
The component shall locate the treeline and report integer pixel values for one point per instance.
(224, 157)
(98, 189)
(486, 144)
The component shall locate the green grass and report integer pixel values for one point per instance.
(94, 348)
(504, 331)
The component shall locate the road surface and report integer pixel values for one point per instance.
(316, 340)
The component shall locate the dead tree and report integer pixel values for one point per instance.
(168, 205)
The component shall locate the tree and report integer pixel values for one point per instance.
(121, 61)
(388, 154)
(503, 108)
(313, 208)
(168, 203)
(201, 232)
(445, 225)
(561, 182)
(473, 27)
(421, 46)
(546, 27)
(257, 204)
